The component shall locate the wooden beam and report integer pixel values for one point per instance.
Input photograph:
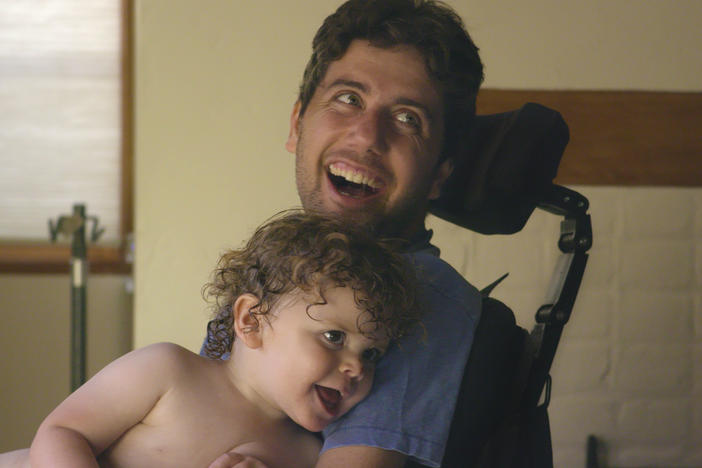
(127, 119)
(620, 137)
(55, 258)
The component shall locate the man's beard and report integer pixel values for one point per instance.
(403, 220)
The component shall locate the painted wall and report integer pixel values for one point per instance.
(35, 344)
(214, 89)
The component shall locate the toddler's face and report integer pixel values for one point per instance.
(316, 363)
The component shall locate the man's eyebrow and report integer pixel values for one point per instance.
(418, 105)
(350, 83)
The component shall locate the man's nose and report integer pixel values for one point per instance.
(371, 132)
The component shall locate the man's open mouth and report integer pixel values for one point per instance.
(329, 397)
(351, 183)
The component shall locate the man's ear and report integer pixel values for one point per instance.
(442, 173)
(294, 135)
(247, 326)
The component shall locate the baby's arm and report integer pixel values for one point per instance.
(101, 410)
(236, 460)
(15, 459)
(299, 451)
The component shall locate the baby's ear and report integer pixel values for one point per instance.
(246, 325)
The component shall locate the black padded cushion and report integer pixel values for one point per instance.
(487, 386)
(512, 160)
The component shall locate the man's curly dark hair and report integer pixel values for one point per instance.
(296, 251)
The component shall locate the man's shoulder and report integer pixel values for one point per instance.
(438, 277)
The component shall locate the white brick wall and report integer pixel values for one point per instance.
(628, 368)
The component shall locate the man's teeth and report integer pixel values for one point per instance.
(355, 177)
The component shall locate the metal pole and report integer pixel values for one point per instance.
(79, 273)
(75, 226)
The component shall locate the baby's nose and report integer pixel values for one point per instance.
(352, 366)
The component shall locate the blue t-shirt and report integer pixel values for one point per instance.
(416, 385)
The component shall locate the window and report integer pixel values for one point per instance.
(65, 128)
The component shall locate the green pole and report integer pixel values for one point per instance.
(79, 273)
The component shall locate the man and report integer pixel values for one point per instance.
(386, 97)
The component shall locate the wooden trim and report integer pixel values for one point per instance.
(127, 120)
(621, 138)
(53, 258)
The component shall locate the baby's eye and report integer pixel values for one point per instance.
(334, 337)
(372, 355)
(349, 98)
(408, 118)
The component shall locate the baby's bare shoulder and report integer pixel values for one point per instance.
(166, 349)
(168, 354)
(157, 367)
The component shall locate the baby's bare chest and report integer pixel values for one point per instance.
(185, 431)
(184, 440)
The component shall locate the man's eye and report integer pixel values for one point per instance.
(334, 337)
(349, 98)
(372, 355)
(408, 118)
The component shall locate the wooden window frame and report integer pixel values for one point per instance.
(40, 257)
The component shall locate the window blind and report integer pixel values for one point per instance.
(59, 114)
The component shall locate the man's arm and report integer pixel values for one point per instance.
(360, 455)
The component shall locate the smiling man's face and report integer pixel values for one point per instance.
(368, 144)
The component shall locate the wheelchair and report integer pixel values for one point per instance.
(501, 417)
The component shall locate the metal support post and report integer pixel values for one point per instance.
(74, 226)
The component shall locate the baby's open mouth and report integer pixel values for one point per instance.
(352, 183)
(329, 397)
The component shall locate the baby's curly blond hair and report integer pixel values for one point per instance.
(296, 251)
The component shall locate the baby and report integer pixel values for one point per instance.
(303, 313)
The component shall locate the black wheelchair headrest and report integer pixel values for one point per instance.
(509, 167)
